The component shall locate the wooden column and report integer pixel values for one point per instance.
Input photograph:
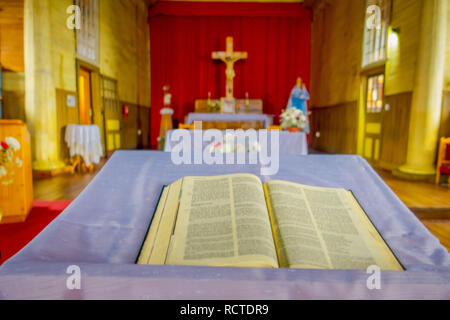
(427, 94)
(40, 94)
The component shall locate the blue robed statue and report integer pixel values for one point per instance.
(299, 99)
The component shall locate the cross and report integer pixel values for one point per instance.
(229, 57)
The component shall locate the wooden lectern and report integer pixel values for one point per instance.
(16, 182)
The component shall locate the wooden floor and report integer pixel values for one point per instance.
(63, 187)
(425, 199)
(429, 202)
(441, 230)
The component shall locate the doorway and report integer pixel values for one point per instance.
(112, 114)
(85, 95)
(89, 104)
(373, 117)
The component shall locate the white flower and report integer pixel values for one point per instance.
(255, 147)
(293, 118)
(19, 162)
(240, 148)
(228, 148)
(13, 143)
(229, 138)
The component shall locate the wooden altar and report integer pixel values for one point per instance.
(223, 121)
(243, 105)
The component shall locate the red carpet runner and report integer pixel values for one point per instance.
(13, 237)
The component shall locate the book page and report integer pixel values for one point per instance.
(324, 228)
(223, 221)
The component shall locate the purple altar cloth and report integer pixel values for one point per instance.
(103, 229)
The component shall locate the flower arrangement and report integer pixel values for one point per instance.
(213, 106)
(292, 118)
(229, 145)
(8, 159)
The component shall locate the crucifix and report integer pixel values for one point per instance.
(229, 57)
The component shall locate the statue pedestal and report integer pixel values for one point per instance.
(166, 125)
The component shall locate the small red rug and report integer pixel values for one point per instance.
(15, 236)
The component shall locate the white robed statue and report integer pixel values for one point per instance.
(299, 99)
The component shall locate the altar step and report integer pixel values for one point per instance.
(426, 200)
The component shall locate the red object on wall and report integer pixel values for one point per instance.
(125, 111)
(183, 35)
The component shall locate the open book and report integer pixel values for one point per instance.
(236, 220)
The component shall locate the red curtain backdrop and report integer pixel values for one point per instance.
(277, 38)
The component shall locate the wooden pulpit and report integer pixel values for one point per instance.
(16, 182)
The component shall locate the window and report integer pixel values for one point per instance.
(87, 35)
(374, 101)
(375, 31)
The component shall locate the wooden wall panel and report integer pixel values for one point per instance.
(447, 54)
(395, 130)
(338, 127)
(144, 126)
(65, 115)
(129, 131)
(14, 105)
(97, 107)
(125, 48)
(402, 59)
(138, 119)
(13, 95)
(336, 50)
(11, 35)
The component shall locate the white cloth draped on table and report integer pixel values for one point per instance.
(288, 143)
(84, 140)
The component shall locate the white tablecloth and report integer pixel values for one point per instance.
(84, 140)
(288, 143)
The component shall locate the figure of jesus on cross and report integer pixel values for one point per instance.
(229, 57)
